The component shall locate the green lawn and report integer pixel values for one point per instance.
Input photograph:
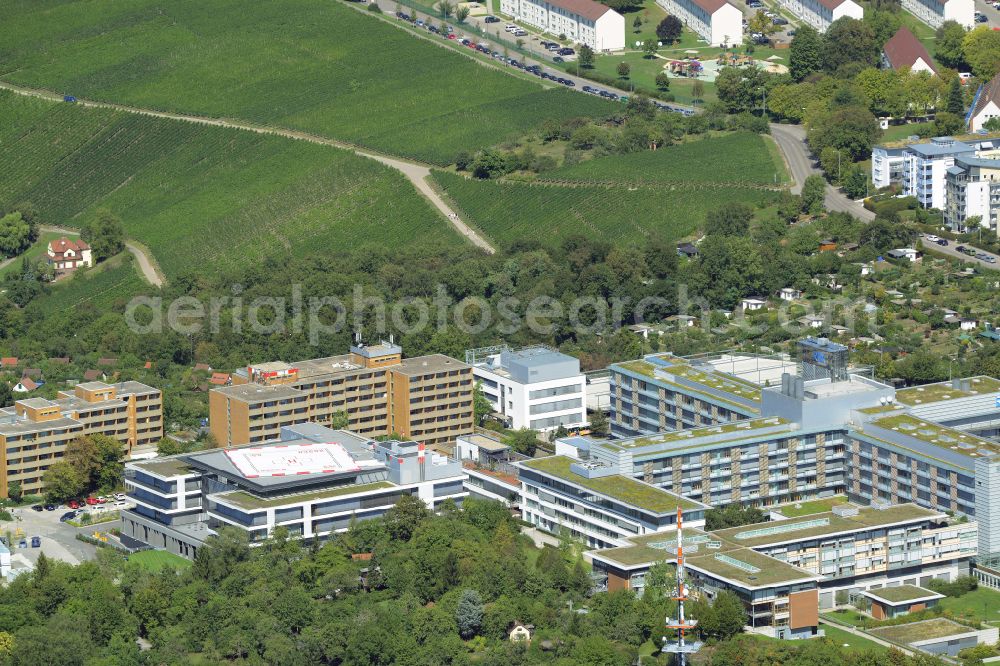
(313, 65)
(508, 211)
(740, 157)
(651, 15)
(35, 253)
(203, 198)
(811, 507)
(854, 643)
(851, 617)
(154, 560)
(982, 604)
(900, 132)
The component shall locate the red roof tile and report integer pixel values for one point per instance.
(91, 375)
(8, 361)
(219, 378)
(904, 49)
(28, 383)
(586, 8)
(990, 93)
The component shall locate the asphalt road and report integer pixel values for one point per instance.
(58, 539)
(791, 139)
(950, 251)
(992, 14)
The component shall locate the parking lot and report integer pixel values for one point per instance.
(57, 539)
(959, 251)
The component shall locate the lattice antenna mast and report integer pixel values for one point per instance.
(681, 646)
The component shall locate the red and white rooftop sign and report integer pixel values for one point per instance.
(290, 460)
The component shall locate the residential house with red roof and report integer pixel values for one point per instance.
(583, 21)
(821, 13)
(905, 51)
(716, 21)
(986, 104)
(68, 255)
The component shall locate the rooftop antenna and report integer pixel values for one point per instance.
(681, 647)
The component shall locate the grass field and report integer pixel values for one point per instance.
(740, 157)
(982, 604)
(899, 132)
(507, 212)
(854, 643)
(154, 560)
(312, 65)
(200, 197)
(35, 253)
(106, 287)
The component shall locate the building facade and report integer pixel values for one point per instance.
(582, 21)
(67, 255)
(936, 12)
(905, 51)
(972, 189)
(821, 13)
(428, 398)
(35, 432)
(716, 21)
(536, 387)
(313, 482)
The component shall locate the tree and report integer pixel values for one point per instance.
(805, 55)
(732, 515)
(948, 123)
(956, 99)
(883, 23)
(624, 69)
(855, 182)
(697, 90)
(852, 129)
(948, 42)
(730, 615)
(14, 490)
(585, 57)
(446, 8)
(740, 90)
(469, 614)
(339, 420)
(849, 41)
(814, 195)
(405, 516)
(732, 219)
(669, 29)
(105, 234)
(490, 164)
(15, 234)
(981, 48)
(462, 13)
(637, 24)
(649, 48)
(63, 482)
(599, 423)
(663, 81)
(523, 441)
(993, 124)
(481, 406)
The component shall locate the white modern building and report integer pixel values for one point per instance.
(583, 21)
(936, 12)
(314, 482)
(821, 13)
(716, 21)
(925, 166)
(536, 387)
(972, 188)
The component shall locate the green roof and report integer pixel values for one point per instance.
(816, 525)
(715, 380)
(809, 507)
(165, 467)
(616, 486)
(917, 395)
(932, 433)
(748, 567)
(920, 631)
(879, 409)
(740, 427)
(901, 593)
(245, 500)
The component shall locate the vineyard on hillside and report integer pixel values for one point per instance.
(507, 211)
(199, 197)
(311, 65)
(737, 158)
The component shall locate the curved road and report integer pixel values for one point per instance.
(414, 172)
(791, 139)
(147, 266)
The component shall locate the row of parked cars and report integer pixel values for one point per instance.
(117, 499)
(968, 251)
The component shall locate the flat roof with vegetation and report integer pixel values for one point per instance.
(817, 525)
(617, 487)
(692, 435)
(923, 630)
(166, 467)
(748, 567)
(809, 507)
(927, 431)
(715, 380)
(917, 395)
(902, 593)
(245, 500)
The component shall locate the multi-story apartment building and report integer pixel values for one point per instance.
(595, 504)
(821, 13)
(313, 482)
(785, 570)
(936, 12)
(583, 21)
(716, 21)
(428, 398)
(536, 387)
(816, 435)
(972, 189)
(925, 166)
(34, 432)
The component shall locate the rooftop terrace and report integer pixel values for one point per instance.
(615, 486)
(917, 395)
(821, 524)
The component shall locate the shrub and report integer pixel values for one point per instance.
(957, 588)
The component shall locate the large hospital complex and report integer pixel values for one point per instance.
(909, 479)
